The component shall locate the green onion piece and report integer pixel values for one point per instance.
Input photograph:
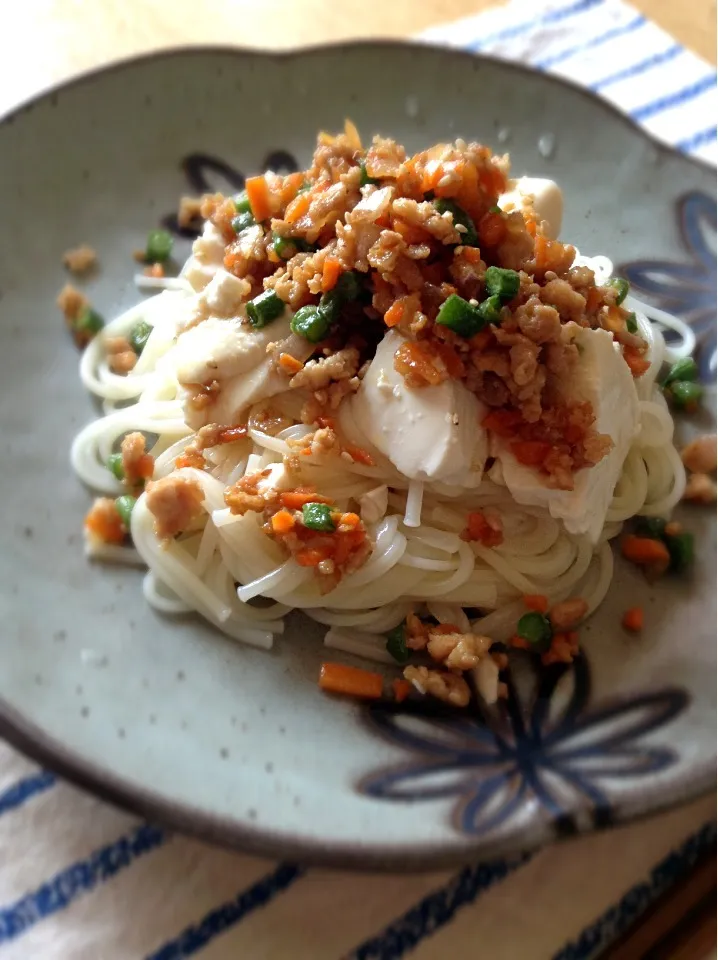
(652, 527)
(89, 321)
(311, 323)
(632, 323)
(114, 465)
(304, 187)
(490, 310)
(365, 178)
(318, 516)
(621, 286)
(468, 239)
(241, 203)
(139, 335)
(330, 304)
(684, 369)
(349, 285)
(458, 315)
(125, 505)
(396, 644)
(535, 628)
(495, 209)
(242, 221)
(680, 547)
(159, 246)
(502, 283)
(265, 308)
(286, 247)
(685, 394)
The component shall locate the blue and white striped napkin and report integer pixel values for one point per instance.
(613, 50)
(82, 881)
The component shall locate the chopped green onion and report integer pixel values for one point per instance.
(685, 394)
(396, 644)
(632, 323)
(680, 547)
(159, 246)
(490, 310)
(139, 335)
(286, 247)
(241, 203)
(304, 187)
(125, 505)
(349, 285)
(458, 315)
(653, 527)
(242, 221)
(311, 323)
(330, 304)
(365, 178)
(684, 369)
(470, 237)
(621, 287)
(265, 308)
(114, 465)
(502, 283)
(535, 628)
(318, 516)
(495, 209)
(89, 321)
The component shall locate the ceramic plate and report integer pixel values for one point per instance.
(171, 719)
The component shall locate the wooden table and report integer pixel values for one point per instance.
(49, 40)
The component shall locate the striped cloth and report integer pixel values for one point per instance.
(612, 49)
(81, 881)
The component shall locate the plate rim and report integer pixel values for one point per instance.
(38, 744)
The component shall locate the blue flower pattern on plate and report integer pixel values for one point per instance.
(496, 761)
(686, 289)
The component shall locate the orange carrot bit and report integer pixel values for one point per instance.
(104, 521)
(311, 556)
(359, 455)
(295, 499)
(191, 458)
(644, 551)
(633, 619)
(531, 453)
(492, 229)
(331, 271)
(593, 300)
(481, 340)
(401, 688)
(636, 364)
(282, 521)
(471, 254)
(298, 207)
(351, 520)
(395, 313)
(231, 434)
(536, 601)
(290, 364)
(519, 642)
(351, 681)
(479, 529)
(325, 422)
(258, 196)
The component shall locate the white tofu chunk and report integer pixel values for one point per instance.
(207, 257)
(602, 376)
(428, 433)
(543, 196)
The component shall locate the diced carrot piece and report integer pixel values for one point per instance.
(338, 678)
(594, 299)
(349, 520)
(231, 434)
(290, 364)
(432, 173)
(519, 642)
(633, 619)
(258, 196)
(451, 359)
(645, 551)
(331, 271)
(471, 254)
(502, 422)
(541, 247)
(410, 232)
(298, 207)
(401, 688)
(295, 499)
(492, 229)
(192, 459)
(536, 601)
(104, 521)
(326, 422)
(310, 557)
(636, 364)
(359, 455)
(282, 521)
(481, 340)
(395, 313)
(479, 529)
(531, 453)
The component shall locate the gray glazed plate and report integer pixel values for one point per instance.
(174, 721)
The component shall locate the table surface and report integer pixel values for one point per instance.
(68, 36)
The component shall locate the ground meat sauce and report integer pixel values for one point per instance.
(415, 231)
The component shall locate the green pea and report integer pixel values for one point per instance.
(241, 203)
(114, 465)
(159, 246)
(125, 505)
(685, 394)
(536, 629)
(684, 369)
(311, 323)
(396, 644)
